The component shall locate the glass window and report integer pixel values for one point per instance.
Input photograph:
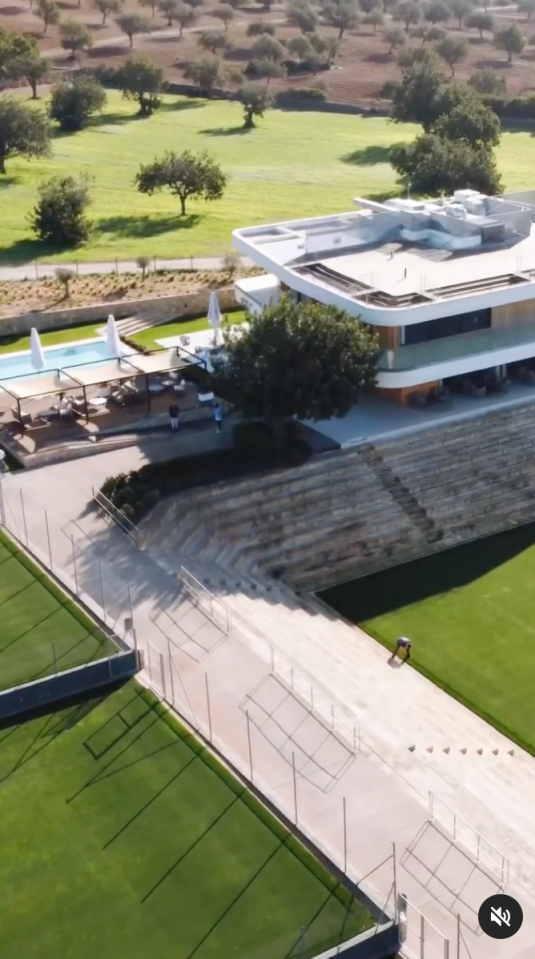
(447, 326)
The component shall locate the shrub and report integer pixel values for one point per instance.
(297, 95)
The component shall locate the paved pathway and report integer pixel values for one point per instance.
(38, 270)
(291, 711)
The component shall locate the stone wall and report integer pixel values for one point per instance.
(175, 306)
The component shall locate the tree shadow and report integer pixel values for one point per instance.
(11, 11)
(145, 226)
(67, 5)
(7, 181)
(24, 251)
(111, 50)
(190, 103)
(379, 57)
(224, 131)
(493, 64)
(368, 156)
(113, 119)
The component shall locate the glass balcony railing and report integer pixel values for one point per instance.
(453, 348)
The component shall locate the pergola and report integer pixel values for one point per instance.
(98, 373)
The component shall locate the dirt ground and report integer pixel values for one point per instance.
(30, 295)
(362, 67)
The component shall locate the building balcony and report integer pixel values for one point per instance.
(454, 356)
(257, 292)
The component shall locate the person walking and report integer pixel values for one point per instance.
(218, 417)
(403, 644)
(174, 414)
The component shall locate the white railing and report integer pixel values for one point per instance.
(200, 596)
(485, 852)
(419, 937)
(111, 513)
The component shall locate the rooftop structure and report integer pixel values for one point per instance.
(417, 271)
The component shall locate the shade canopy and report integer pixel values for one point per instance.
(37, 356)
(113, 339)
(24, 388)
(94, 375)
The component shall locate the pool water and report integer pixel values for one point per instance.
(56, 358)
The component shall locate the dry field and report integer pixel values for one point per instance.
(47, 294)
(363, 64)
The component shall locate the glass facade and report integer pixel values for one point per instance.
(447, 326)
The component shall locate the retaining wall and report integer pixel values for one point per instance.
(176, 305)
(71, 682)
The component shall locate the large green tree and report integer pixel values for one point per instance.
(342, 14)
(416, 97)
(49, 12)
(59, 216)
(511, 39)
(452, 50)
(472, 122)
(23, 131)
(433, 165)
(131, 24)
(20, 59)
(255, 100)
(141, 79)
(188, 175)
(75, 36)
(305, 360)
(73, 102)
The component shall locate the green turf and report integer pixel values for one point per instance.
(10, 344)
(147, 338)
(470, 615)
(291, 165)
(121, 837)
(41, 629)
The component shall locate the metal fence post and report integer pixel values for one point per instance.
(249, 745)
(171, 671)
(102, 590)
(2, 505)
(55, 659)
(395, 881)
(458, 936)
(208, 708)
(295, 786)
(48, 539)
(23, 517)
(345, 834)
(134, 634)
(74, 565)
(422, 936)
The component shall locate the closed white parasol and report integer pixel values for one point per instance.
(37, 356)
(112, 338)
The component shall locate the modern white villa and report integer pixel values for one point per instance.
(448, 284)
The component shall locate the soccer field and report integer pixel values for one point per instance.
(470, 613)
(122, 837)
(41, 629)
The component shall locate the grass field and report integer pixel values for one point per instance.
(147, 338)
(41, 628)
(470, 613)
(291, 165)
(122, 837)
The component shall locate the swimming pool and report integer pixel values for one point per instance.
(56, 358)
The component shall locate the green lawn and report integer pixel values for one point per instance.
(470, 615)
(147, 338)
(121, 837)
(291, 165)
(41, 629)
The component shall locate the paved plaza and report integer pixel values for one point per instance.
(315, 714)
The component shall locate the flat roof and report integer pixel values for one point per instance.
(404, 252)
